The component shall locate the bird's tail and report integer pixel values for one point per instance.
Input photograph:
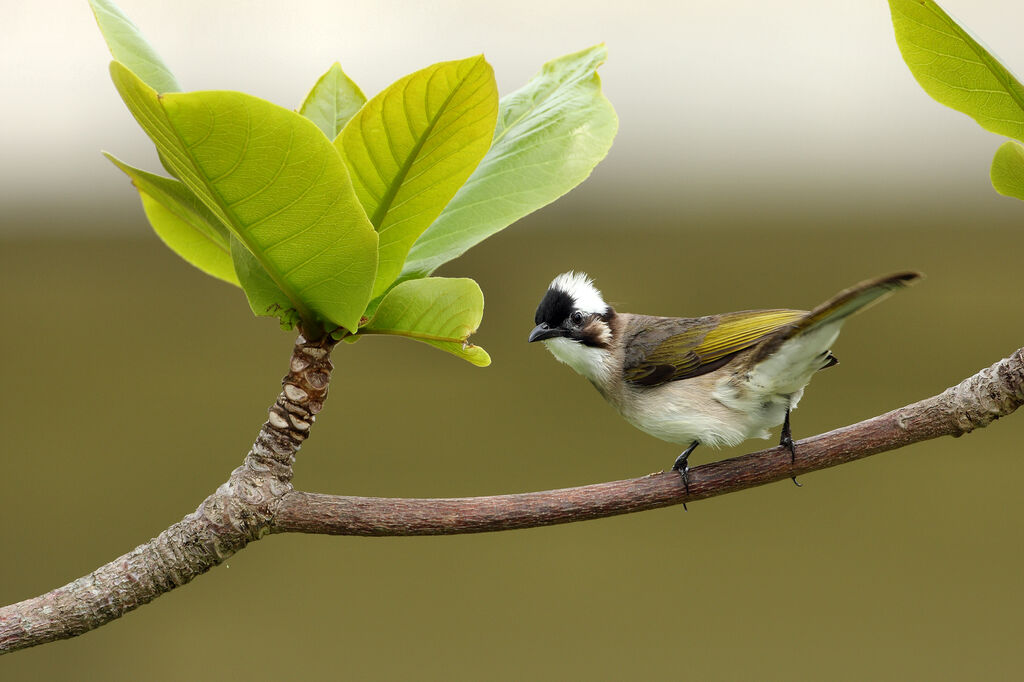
(857, 297)
(840, 306)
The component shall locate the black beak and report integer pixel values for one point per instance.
(543, 331)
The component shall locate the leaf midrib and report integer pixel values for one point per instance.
(389, 195)
(304, 312)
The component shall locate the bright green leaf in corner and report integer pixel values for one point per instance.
(183, 222)
(550, 135)
(953, 67)
(411, 147)
(333, 101)
(129, 46)
(1008, 170)
(273, 179)
(440, 311)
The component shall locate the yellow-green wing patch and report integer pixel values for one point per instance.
(670, 349)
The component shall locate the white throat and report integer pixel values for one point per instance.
(588, 361)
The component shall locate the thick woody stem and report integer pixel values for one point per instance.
(974, 403)
(238, 512)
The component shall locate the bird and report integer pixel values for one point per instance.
(715, 380)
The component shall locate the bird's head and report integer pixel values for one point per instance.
(575, 323)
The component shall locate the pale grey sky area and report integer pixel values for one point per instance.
(794, 102)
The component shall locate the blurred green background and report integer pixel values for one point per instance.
(133, 385)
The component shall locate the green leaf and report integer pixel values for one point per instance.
(273, 179)
(1008, 170)
(411, 147)
(184, 224)
(129, 46)
(333, 101)
(265, 299)
(440, 311)
(550, 135)
(955, 69)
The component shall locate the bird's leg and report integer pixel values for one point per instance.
(680, 464)
(787, 441)
(683, 468)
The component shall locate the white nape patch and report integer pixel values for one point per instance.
(588, 361)
(582, 291)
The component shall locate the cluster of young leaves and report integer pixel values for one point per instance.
(335, 216)
(957, 70)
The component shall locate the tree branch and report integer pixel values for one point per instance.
(974, 403)
(258, 497)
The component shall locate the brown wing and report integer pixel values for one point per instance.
(668, 348)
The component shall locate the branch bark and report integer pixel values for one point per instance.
(258, 497)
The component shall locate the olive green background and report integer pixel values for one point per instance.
(769, 155)
(134, 384)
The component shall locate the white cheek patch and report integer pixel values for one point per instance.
(582, 291)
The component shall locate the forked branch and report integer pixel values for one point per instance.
(258, 497)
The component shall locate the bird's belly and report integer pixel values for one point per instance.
(710, 412)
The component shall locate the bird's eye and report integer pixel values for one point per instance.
(577, 318)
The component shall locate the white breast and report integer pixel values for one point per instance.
(702, 409)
